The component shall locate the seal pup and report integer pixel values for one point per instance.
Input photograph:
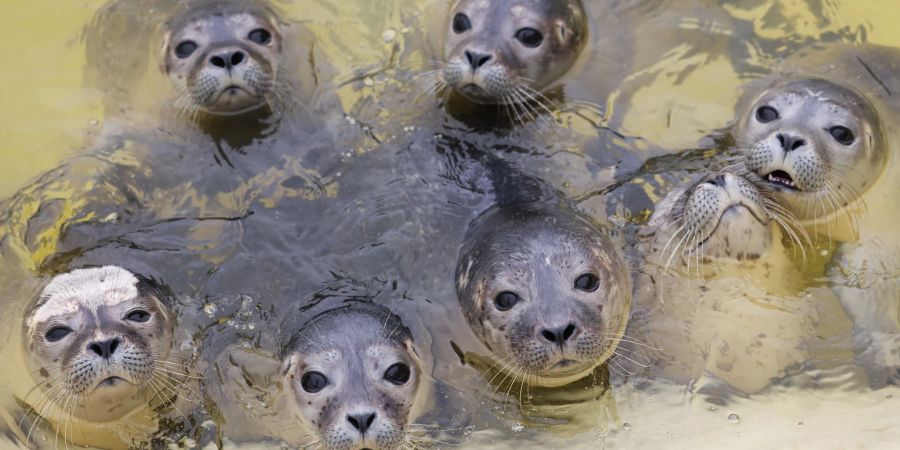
(544, 288)
(718, 297)
(100, 343)
(826, 147)
(509, 52)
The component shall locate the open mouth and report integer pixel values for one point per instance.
(782, 179)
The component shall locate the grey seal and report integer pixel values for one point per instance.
(511, 51)
(100, 343)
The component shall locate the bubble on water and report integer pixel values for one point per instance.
(94, 122)
(626, 426)
(369, 82)
(518, 427)
(389, 35)
(712, 408)
(210, 309)
(824, 252)
(734, 418)
(405, 30)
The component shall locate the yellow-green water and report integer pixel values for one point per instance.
(683, 83)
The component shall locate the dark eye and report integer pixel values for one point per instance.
(587, 282)
(530, 37)
(260, 36)
(842, 135)
(461, 23)
(397, 374)
(766, 114)
(138, 315)
(185, 49)
(313, 382)
(56, 333)
(506, 300)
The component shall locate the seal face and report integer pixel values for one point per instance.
(818, 144)
(101, 339)
(354, 378)
(509, 51)
(223, 60)
(545, 290)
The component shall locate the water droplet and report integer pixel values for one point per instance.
(389, 35)
(369, 82)
(626, 426)
(94, 122)
(734, 418)
(518, 427)
(210, 309)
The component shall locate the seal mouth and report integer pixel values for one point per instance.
(110, 382)
(232, 90)
(782, 179)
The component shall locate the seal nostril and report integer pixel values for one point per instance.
(781, 140)
(94, 347)
(797, 144)
(370, 420)
(113, 345)
(477, 60)
(717, 181)
(217, 61)
(361, 422)
(104, 349)
(237, 58)
(549, 335)
(568, 332)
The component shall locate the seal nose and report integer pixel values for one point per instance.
(477, 60)
(789, 143)
(718, 181)
(104, 349)
(227, 60)
(361, 422)
(559, 335)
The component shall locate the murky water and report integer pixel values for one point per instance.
(245, 230)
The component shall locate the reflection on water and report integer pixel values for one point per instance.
(377, 202)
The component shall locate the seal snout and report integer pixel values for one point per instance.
(104, 349)
(227, 58)
(560, 335)
(361, 421)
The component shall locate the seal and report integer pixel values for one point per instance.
(354, 378)
(718, 294)
(223, 58)
(100, 343)
(545, 290)
(511, 51)
(817, 143)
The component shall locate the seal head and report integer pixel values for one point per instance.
(354, 377)
(99, 338)
(509, 51)
(223, 59)
(545, 290)
(817, 144)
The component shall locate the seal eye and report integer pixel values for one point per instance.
(397, 374)
(313, 382)
(185, 49)
(530, 37)
(842, 135)
(138, 315)
(506, 300)
(587, 283)
(260, 36)
(766, 114)
(461, 23)
(56, 333)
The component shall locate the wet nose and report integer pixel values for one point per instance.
(104, 349)
(476, 60)
(559, 335)
(789, 143)
(227, 60)
(361, 422)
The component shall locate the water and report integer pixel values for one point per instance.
(384, 211)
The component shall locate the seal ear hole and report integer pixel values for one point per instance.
(397, 374)
(766, 114)
(260, 36)
(313, 382)
(505, 300)
(185, 49)
(461, 23)
(57, 333)
(842, 134)
(530, 37)
(587, 282)
(138, 315)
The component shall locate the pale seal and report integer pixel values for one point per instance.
(354, 378)
(511, 51)
(99, 342)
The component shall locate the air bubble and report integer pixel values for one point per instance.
(626, 426)
(518, 428)
(734, 418)
(389, 35)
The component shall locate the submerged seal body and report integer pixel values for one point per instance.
(100, 342)
(545, 290)
(354, 378)
(510, 51)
